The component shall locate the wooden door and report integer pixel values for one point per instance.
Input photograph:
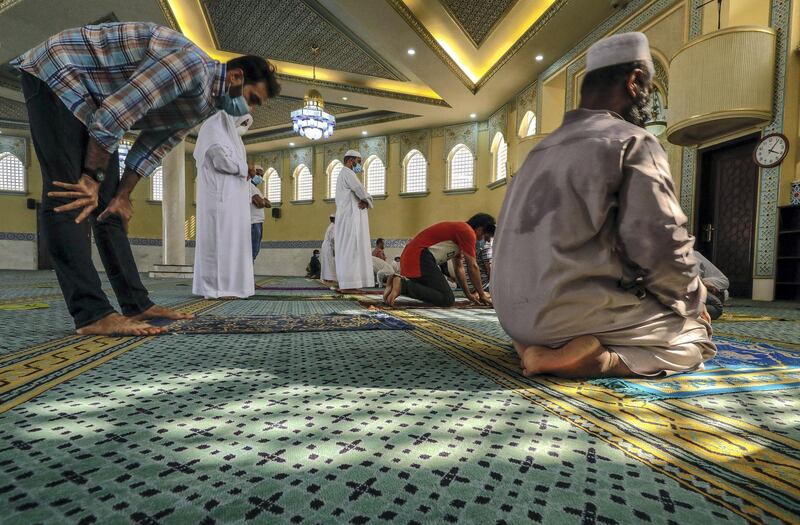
(726, 212)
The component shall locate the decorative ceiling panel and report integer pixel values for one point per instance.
(360, 120)
(477, 19)
(286, 30)
(11, 110)
(276, 111)
(10, 77)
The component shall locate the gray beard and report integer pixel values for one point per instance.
(639, 111)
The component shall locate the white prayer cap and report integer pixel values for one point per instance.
(259, 167)
(332, 215)
(620, 49)
(352, 153)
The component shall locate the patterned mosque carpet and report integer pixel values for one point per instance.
(432, 423)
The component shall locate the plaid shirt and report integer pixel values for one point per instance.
(121, 76)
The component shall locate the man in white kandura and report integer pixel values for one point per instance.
(327, 259)
(223, 261)
(353, 245)
(602, 281)
(257, 204)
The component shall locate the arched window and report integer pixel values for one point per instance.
(122, 153)
(500, 157)
(528, 125)
(415, 173)
(460, 168)
(334, 168)
(376, 176)
(157, 185)
(273, 186)
(303, 184)
(657, 124)
(12, 173)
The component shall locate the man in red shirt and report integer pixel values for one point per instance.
(419, 265)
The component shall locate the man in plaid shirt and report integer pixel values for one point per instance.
(84, 88)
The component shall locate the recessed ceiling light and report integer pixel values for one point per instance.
(539, 58)
(411, 51)
(344, 98)
(291, 143)
(363, 132)
(472, 115)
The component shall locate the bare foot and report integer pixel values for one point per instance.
(531, 358)
(155, 312)
(396, 288)
(388, 288)
(116, 324)
(583, 357)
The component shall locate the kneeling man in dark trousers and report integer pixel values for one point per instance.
(421, 277)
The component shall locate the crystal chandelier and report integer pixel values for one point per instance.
(311, 121)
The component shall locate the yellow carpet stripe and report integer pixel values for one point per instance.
(66, 377)
(710, 443)
(582, 421)
(747, 427)
(512, 361)
(36, 348)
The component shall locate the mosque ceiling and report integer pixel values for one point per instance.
(276, 112)
(470, 56)
(286, 30)
(477, 19)
(12, 111)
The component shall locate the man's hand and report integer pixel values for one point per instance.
(704, 315)
(363, 205)
(85, 193)
(121, 206)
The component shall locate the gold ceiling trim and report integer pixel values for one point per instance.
(7, 4)
(521, 41)
(169, 15)
(366, 90)
(474, 86)
(491, 29)
(270, 135)
(415, 24)
(196, 27)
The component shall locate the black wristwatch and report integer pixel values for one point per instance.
(99, 174)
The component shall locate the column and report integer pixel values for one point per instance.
(173, 206)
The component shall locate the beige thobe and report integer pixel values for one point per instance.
(591, 240)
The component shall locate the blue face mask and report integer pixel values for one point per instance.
(257, 180)
(357, 168)
(235, 107)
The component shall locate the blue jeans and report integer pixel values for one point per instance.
(256, 232)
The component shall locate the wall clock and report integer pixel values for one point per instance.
(771, 150)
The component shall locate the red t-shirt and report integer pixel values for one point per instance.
(444, 240)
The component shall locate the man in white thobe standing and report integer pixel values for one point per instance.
(257, 204)
(223, 262)
(594, 273)
(353, 246)
(327, 259)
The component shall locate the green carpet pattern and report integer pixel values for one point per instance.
(432, 425)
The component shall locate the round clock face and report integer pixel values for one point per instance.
(771, 150)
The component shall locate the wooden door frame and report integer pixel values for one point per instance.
(702, 153)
